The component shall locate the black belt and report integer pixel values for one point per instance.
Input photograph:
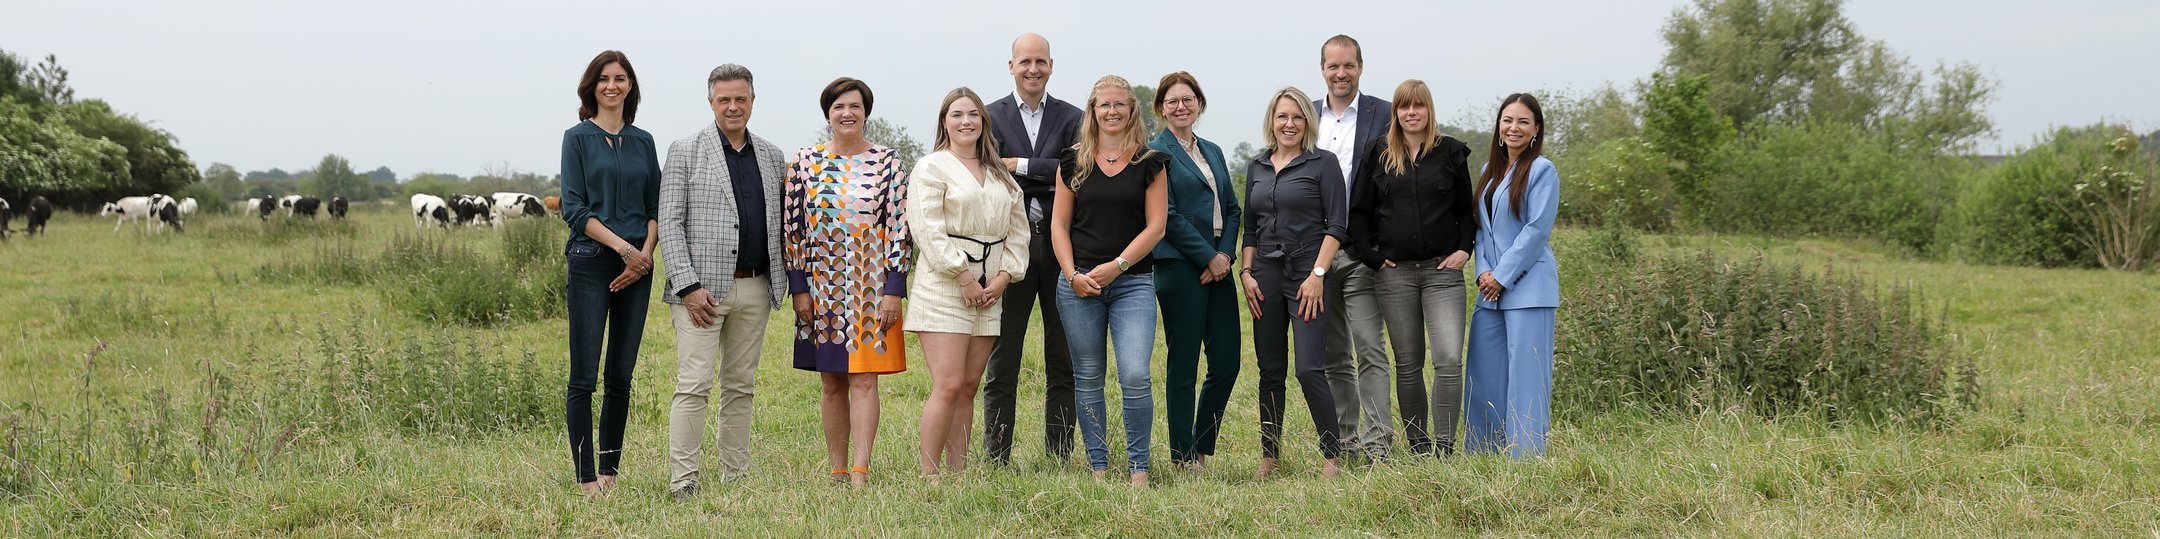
(748, 273)
(982, 263)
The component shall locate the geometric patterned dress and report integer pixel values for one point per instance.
(846, 244)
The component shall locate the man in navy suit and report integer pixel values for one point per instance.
(1031, 128)
(1358, 370)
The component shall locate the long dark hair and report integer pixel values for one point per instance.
(1496, 162)
(589, 106)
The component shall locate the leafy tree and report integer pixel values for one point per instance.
(274, 174)
(224, 180)
(49, 80)
(48, 159)
(12, 76)
(382, 175)
(1582, 121)
(155, 164)
(1144, 107)
(334, 177)
(1679, 123)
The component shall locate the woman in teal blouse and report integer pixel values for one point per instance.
(610, 192)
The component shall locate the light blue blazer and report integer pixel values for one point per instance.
(1518, 249)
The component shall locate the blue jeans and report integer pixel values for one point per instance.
(1509, 365)
(620, 317)
(1125, 315)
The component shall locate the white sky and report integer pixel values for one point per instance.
(455, 86)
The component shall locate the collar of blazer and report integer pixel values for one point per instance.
(1169, 144)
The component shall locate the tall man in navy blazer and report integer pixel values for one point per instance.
(1031, 128)
(1350, 123)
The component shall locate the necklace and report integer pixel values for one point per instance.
(1114, 157)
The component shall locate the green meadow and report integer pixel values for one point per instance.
(238, 380)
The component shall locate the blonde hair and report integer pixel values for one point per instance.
(1304, 104)
(1398, 156)
(985, 149)
(1091, 133)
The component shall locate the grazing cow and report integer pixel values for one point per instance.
(6, 213)
(262, 207)
(287, 203)
(129, 209)
(169, 214)
(430, 209)
(508, 205)
(554, 204)
(306, 206)
(40, 212)
(337, 207)
(472, 210)
(187, 206)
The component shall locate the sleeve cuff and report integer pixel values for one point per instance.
(895, 284)
(685, 292)
(798, 282)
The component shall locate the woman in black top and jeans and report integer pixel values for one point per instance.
(1410, 216)
(1110, 207)
(1294, 222)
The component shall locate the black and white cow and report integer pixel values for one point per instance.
(307, 206)
(129, 209)
(508, 205)
(472, 210)
(169, 215)
(337, 207)
(40, 212)
(430, 210)
(262, 207)
(6, 213)
(287, 203)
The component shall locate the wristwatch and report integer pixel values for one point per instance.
(1123, 264)
(1319, 270)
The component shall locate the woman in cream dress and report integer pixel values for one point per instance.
(971, 236)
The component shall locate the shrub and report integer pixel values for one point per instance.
(1696, 334)
(530, 242)
(1828, 179)
(2014, 214)
(1622, 181)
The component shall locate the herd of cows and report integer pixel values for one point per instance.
(159, 211)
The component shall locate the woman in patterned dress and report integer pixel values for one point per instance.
(847, 260)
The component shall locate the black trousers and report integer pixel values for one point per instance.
(1002, 378)
(620, 316)
(1271, 343)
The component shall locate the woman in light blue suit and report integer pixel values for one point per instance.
(1509, 362)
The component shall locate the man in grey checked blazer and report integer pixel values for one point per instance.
(720, 242)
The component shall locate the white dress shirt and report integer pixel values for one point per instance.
(1338, 135)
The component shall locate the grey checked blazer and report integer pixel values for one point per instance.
(698, 216)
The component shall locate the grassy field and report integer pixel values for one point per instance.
(2063, 443)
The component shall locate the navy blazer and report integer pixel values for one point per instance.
(1190, 231)
(1060, 130)
(1374, 116)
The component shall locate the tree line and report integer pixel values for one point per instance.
(77, 153)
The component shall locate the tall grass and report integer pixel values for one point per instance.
(430, 276)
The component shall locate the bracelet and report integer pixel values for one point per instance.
(1246, 271)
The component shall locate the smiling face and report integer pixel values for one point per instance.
(731, 101)
(1113, 110)
(1287, 124)
(1518, 127)
(1340, 68)
(963, 124)
(614, 86)
(1415, 118)
(1180, 107)
(846, 116)
(1030, 64)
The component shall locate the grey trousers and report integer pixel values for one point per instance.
(1423, 307)
(1353, 306)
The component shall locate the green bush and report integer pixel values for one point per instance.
(1698, 334)
(2017, 214)
(531, 242)
(1622, 181)
(1828, 179)
(435, 278)
(207, 200)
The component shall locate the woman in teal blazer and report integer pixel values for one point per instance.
(1509, 362)
(1192, 272)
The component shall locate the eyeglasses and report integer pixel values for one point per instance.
(1113, 105)
(1187, 101)
(1300, 118)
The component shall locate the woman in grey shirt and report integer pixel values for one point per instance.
(1295, 220)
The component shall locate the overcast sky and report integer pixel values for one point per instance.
(454, 86)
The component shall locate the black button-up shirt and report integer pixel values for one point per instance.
(1289, 212)
(749, 204)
